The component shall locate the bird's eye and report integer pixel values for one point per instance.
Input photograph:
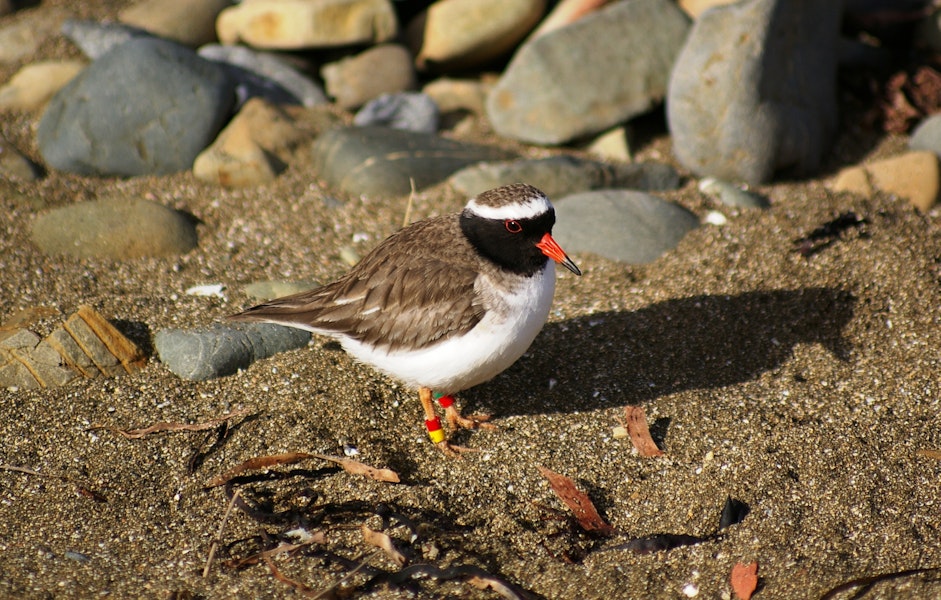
(513, 226)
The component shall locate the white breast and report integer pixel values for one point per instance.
(514, 317)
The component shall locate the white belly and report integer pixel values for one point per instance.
(460, 362)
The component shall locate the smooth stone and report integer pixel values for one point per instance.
(558, 176)
(95, 39)
(355, 80)
(913, 175)
(566, 12)
(271, 289)
(459, 34)
(252, 149)
(585, 78)
(295, 24)
(459, 94)
(148, 106)
(189, 22)
(378, 161)
(14, 165)
(264, 75)
(115, 228)
(754, 89)
(627, 226)
(694, 8)
(411, 111)
(32, 86)
(224, 349)
(927, 136)
(22, 37)
(85, 346)
(732, 195)
(611, 145)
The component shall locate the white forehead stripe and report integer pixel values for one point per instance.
(526, 208)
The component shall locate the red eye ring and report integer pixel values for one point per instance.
(513, 226)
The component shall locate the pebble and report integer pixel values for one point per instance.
(562, 175)
(22, 37)
(732, 195)
(116, 228)
(264, 75)
(95, 39)
(14, 165)
(253, 148)
(189, 22)
(754, 90)
(583, 79)
(412, 111)
(612, 145)
(622, 225)
(85, 346)
(295, 24)
(222, 349)
(355, 80)
(104, 122)
(565, 13)
(32, 86)
(378, 161)
(694, 8)
(459, 94)
(913, 175)
(452, 35)
(927, 136)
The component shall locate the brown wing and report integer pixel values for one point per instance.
(414, 289)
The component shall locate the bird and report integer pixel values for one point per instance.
(443, 304)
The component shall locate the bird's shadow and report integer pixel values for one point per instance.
(616, 358)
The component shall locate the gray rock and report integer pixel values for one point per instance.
(114, 228)
(378, 161)
(595, 73)
(411, 111)
(146, 107)
(96, 39)
(754, 89)
(732, 195)
(631, 227)
(260, 74)
(223, 350)
(561, 175)
(927, 136)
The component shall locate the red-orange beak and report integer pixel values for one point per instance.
(551, 249)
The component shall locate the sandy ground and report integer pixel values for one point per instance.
(805, 387)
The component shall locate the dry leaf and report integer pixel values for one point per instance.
(745, 579)
(289, 458)
(134, 434)
(578, 502)
(636, 423)
(935, 454)
(383, 541)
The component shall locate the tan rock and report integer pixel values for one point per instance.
(913, 175)
(292, 24)
(612, 145)
(383, 69)
(251, 150)
(190, 22)
(33, 85)
(457, 34)
(458, 94)
(694, 8)
(22, 37)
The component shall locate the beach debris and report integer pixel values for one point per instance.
(578, 502)
(635, 421)
(868, 582)
(136, 434)
(85, 345)
(829, 233)
(289, 458)
(744, 580)
(384, 542)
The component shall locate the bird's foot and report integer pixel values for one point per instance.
(457, 421)
(453, 450)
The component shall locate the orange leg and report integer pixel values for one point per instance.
(433, 423)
